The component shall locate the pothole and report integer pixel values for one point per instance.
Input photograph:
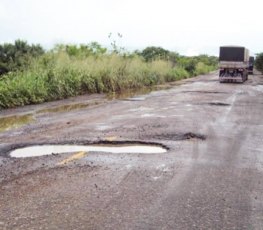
(194, 135)
(218, 104)
(42, 150)
(179, 136)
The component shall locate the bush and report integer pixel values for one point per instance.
(202, 68)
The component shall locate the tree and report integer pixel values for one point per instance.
(96, 48)
(173, 57)
(17, 55)
(259, 62)
(82, 50)
(152, 53)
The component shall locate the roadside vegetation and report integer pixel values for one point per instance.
(259, 62)
(30, 75)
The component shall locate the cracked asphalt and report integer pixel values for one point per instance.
(210, 177)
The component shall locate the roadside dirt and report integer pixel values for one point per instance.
(210, 177)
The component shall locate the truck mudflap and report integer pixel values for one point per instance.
(232, 76)
(231, 79)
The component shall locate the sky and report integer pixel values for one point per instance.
(190, 27)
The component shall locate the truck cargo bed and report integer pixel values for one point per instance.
(233, 64)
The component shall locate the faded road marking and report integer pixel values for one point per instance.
(74, 157)
(112, 138)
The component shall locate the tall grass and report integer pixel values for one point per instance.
(202, 68)
(58, 75)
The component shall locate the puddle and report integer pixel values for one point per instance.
(128, 94)
(165, 87)
(178, 83)
(41, 150)
(208, 92)
(135, 99)
(132, 95)
(64, 108)
(11, 122)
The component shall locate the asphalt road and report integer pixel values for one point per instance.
(210, 177)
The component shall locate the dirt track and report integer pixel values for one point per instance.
(210, 178)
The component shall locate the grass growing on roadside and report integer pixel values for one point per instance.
(58, 75)
(202, 68)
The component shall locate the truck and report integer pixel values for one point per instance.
(233, 64)
(251, 65)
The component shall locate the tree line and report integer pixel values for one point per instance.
(19, 55)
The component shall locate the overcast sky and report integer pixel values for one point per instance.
(187, 26)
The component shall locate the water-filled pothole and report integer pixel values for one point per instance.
(128, 94)
(65, 108)
(41, 150)
(137, 94)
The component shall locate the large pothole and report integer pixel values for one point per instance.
(178, 136)
(42, 150)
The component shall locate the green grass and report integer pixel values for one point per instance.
(202, 68)
(57, 75)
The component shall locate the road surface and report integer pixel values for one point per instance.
(211, 176)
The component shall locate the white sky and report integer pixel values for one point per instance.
(187, 26)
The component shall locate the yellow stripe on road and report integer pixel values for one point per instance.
(74, 157)
(112, 138)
